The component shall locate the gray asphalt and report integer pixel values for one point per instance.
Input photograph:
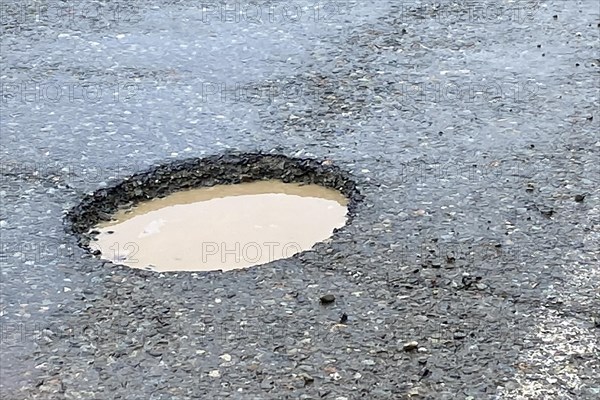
(470, 129)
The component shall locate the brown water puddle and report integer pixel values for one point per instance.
(222, 227)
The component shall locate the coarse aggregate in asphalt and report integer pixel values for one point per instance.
(225, 172)
(469, 270)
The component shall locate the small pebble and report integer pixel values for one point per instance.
(459, 335)
(307, 378)
(328, 298)
(410, 346)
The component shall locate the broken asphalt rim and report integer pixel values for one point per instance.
(231, 168)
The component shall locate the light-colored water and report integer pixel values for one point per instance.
(222, 227)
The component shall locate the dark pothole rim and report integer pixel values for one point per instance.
(231, 168)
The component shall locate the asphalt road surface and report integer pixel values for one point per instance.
(471, 129)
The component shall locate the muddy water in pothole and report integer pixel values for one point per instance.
(222, 227)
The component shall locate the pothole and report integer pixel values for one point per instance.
(217, 213)
(222, 227)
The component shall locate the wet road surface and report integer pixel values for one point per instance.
(470, 129)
